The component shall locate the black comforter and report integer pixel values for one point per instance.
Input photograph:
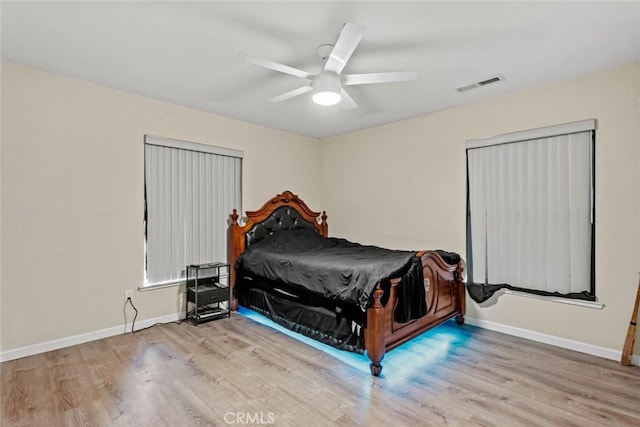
(334, 268)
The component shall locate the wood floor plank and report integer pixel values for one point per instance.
(236, 371)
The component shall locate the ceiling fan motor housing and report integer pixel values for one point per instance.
(326, 88)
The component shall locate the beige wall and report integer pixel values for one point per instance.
(72, 198)
(71, 185)
(403, 185)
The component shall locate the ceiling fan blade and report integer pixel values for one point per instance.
(290, 94)
(347, 42)
(276, 66)
(347, 101)
(371, 78)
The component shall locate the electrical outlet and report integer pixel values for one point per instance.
(128, 294)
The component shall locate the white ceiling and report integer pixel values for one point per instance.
(186, 52)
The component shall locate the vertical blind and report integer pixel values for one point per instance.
(530, 210)
(190, 189)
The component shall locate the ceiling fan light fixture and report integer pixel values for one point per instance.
(326, 89)
(326, 97)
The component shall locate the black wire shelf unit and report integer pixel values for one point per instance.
(208, 292)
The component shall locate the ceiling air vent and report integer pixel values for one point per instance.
(481, 83)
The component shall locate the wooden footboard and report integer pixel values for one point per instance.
(445, 296)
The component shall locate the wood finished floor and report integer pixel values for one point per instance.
(221, 372)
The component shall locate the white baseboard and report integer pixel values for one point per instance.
(594, 350)
(579, 346)
(43, 347)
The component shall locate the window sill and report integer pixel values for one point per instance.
(162, 285)
(582, 303)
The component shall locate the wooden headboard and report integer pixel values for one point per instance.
(282, 212)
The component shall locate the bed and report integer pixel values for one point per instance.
(406, 294)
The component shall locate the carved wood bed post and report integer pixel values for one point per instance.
(236, 237)
(462, 294)
(324, 227)
(374, 334)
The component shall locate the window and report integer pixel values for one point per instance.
(190, 190)
(530, 212)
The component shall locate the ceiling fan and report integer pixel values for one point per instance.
(328, 84)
